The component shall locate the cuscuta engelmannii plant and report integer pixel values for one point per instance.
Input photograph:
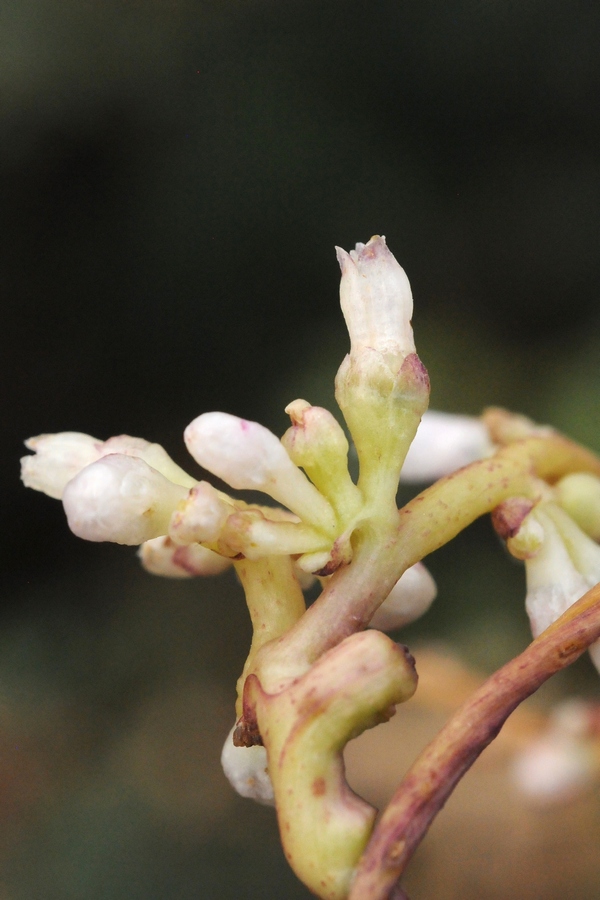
(315, 678)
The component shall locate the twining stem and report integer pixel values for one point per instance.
(432, 778)
(384, 547)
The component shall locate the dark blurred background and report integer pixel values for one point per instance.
(174, 178)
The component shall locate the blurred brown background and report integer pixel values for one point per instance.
(174, 178)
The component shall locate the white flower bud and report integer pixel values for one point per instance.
(553, 582)
(249, 457)
(60, 457)
(411, 596)
(121, 499)
(382, 386)
(247, 770)
(565, 565)
(56, 460)
(153, 454)
(376, 299)
(445, 442)
(162, 556)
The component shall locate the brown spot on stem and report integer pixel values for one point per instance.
(318, 786)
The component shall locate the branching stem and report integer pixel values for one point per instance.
(385, 547)
(432, 778)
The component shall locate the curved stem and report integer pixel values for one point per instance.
(385, 547)
(432, 778)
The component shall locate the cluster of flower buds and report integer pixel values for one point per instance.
(130, 491)
(313, 678)
(562, 562)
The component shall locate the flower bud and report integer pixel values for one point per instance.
(443, 443)
(381, 387)
(561, 562)
(249, 457)
(579, 495)
(57, 458)
(376, 300)
(153, 454)
(121, 499)
(553, 582)
(162, 556)
(247, 770)
(317, 443)
(60, 457)
(506, 427)
(411, 596)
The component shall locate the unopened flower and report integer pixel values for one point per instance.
(443, 443)
(60, 457)
(579, 495)
(553, 581)
(250, 457)
(561, 563)
(317, 443)
(57, 458)
(247, 770)
(507, 427)
(121, 499)
(410, 598)
(162, 556)
(381, 387)
(376, 299)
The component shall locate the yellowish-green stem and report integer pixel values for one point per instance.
(384, 547)
(275, 603)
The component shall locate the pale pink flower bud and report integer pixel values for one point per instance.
(57, 459)
(250, 457)
(153, 454)
(60, 457)
(410, 598)
(376, 299)
(162, 556)
(247, 770)
(443, 443)
(121, 499)
(553, 581)
(382, 386)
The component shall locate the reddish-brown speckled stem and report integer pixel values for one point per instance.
(434, 775)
